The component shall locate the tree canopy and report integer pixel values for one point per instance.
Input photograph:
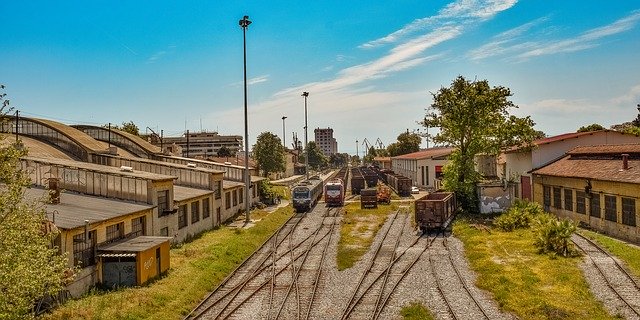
(474, 118)
(224, 152)
(407, 143)
(30, 266)
(591, 127)
(128, 127)
(339, 159)
(269, 153)
(317, 159)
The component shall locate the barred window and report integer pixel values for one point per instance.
(240, 195)
(84, 251)
(610, 204)
(195, 212)
(235, 197)
(595, 205)
(163, 202)
(581, 202)
(557, 200)
(115, 231)
(206, 211)
(138, 226)
(629, 211)
(546, 193)
(227, 200)
(182, 216)
(568, 199)
(218, 189)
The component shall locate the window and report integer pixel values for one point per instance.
(206, 211)
(610, 204)
(240, 195)
(568, 199)
(115, 231)
(629, 211)
(182, 216)
(580, 202)
(227, 200)
(217, 190)
(594, 203)
(163, 203)
(235, 197)
(557, 201)
(546, 194)
(138, 226)
(195, 212)
(164, 232)
(83, 251)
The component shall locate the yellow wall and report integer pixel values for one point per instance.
(598, 189)
(146, 263)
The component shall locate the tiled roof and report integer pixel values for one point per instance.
(605, 169)
(616, 149)
(426, 154)
(560, 137)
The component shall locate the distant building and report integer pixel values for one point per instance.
(325, 141)
(423, 167)
(203, 144)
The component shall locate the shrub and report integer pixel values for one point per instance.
(519, 216)
(553, 235)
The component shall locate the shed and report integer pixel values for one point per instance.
(133, 261)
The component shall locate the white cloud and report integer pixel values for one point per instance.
(459, 11)
(252, 81)
(633, 95)
(498, 45)
(156, 56)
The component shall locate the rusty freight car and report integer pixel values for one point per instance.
(435, 210)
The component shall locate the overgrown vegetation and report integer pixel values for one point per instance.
(519, 216)
(528, 284)
(196, 268)
(416, 311)
(30, 265)
(359, 228)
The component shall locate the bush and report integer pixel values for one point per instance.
(553, 235)
(519, 216)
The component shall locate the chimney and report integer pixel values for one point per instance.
(625, 161)
(54, 191)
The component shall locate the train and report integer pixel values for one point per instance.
(399, 183)
(306, 194)
(435, 210)
(334, 192)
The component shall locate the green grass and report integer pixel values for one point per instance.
(196, 269)
(283, 191)
(416, 311)
(359, 228)
(530, 285)
(626, 252)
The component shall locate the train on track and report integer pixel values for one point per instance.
(435, 210)
(399, 183)
(306, 194)
(334, 192)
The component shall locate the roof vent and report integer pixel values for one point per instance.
(191, 165)
(625, 161)
(126, 169)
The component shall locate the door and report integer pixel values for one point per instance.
(158, 263)
(525, 182)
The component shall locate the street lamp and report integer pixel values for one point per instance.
(244, 23)
(284, 144)
(306, 146)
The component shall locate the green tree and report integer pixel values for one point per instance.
(130, 127)
(591, 127)
(339, 159)
(355, 160)
(371, 153)
(407, 143)
(30, 267)
(474, 118)
(317, 159)
(224, 152)
(269, 153)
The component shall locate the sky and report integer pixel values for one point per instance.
(370, 67)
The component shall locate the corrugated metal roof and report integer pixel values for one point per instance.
(426, 154)
(116, 255)
(137, 244)
(181, 193)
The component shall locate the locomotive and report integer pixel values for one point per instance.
(306, 194)
(334, 192)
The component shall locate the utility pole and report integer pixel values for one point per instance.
(306, 143)
(244, 24)
(284, 144)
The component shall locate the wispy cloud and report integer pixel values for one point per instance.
(459, 11)
(252, 81)
(156, 56)
(498, 45)
(633, 95)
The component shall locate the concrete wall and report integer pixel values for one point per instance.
(599, 189)
(496, 197)
(193, 228)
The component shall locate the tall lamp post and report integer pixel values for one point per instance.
(244, 23)
(357, 154)
(284, 144)
(306, 146)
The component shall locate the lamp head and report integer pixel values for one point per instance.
(283, 117)
(305, 94)
(245, 22)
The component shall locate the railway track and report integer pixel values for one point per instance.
(257, 277)
(620, 283)
(460, 300)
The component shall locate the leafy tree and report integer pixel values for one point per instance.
(224, 152)
(269, 153)
(355, 160)
(591, 127)
(407, 143)
(30, 267)
(474, 118)
(339, 159)
(130, 127)
(371, 153)
(317, 159)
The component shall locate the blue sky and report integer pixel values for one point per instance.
(369, 66)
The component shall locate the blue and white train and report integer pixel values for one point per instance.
(306, 194)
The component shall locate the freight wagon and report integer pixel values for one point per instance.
(435, 210)
(368, 198)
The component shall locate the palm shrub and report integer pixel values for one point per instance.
(519, 216)
(553, 235)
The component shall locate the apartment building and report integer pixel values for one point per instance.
(325, 141)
